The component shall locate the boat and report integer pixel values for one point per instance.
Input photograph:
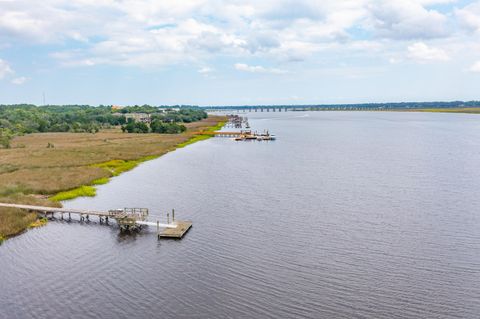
(272, 137)
(266, 136)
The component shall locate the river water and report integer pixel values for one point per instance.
(346, 215)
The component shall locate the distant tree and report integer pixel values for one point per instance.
(6, 137)
(141, 127)
(167, 128)
(135, 127)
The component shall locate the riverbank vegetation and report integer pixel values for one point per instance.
(468, 110)
(31, 172)
(82, 191)
(38, 223)
(14, 221)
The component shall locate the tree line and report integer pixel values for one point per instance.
(155, 126)
(27, 118)
(168, 122)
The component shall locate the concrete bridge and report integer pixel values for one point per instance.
(286, 108)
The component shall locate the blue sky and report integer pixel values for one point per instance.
(234, 52)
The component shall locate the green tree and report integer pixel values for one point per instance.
(6, 137)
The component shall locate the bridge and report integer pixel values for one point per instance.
(285, 108)
(127, 218)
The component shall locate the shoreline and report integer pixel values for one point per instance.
(111, 168)
(116, 167)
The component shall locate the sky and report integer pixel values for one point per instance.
(238, 52)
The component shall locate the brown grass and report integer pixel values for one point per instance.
(29, 167)
(14, 221)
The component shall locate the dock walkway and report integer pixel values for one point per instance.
(127, 218)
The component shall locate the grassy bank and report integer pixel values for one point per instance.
(116, 167)
(14, 221)
(203, 134)
(32, 173)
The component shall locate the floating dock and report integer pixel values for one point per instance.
(182, 228)
(126, 218)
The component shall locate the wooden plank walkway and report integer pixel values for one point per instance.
(232, 134)
(177, 229)
(43, 209)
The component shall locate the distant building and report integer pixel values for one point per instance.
(117, 107)
(138, 117)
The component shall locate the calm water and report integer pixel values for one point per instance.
(346, 215)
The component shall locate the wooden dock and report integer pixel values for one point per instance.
(126, 218)
(182, 228)
(222, 134)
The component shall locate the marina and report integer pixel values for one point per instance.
(245, 134)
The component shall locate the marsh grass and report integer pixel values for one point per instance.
(116, 167)
(14, 221)
(205, 134)
(101, 181)
(82, 191)
(38, 223)
(194, 139)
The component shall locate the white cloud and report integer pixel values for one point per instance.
(5, 69)
(205, 70)
(407, 19)
(394, 60)
(421, 52)
(153, 33)
(257, 69)
(158, 33)
(469, 16)
(475, 67)
(6, 72)
(20, 80)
